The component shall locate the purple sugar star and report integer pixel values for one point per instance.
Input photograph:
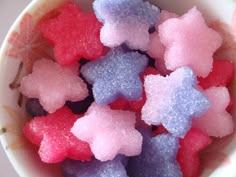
(126, 22)
(95, 168)
(158, 157)
(116, 75)
(173, 101)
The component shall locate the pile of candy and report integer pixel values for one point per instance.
(156, 72)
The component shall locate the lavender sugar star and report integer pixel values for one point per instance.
(116, 75)
(95, 168)
(126, 22)
(173, 101)
(158, 157)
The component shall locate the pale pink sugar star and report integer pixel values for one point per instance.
(216, 121)
(109, 132)
(155, 48)
(53, 84)
(188, 40)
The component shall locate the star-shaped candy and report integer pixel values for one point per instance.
(109, 132)
(74, 34)
(52, 134)
(126, 22)
(215, 77)
(116, 75)
(53, 84)
(95, 168)
(188, 154)
(189, 42)
(158, 157)
(173, 101)
(216, 121)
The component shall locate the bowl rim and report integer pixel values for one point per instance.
(3, 48)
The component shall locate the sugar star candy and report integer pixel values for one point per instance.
(188, 153)
(52, 134)
(158, 157)
(95, 168)
(216, 121)
(116, 75)
(109, 132)
(173, 101)
(53, 84)
(215, 77)
(135, 106)
(189, 42)
(155, 48)
(74, 34)
(126, 22)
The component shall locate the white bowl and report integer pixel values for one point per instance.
(218, 160)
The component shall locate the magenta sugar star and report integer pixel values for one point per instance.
(52, 134)
(173, 101)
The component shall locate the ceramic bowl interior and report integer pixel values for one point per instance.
(217, 160)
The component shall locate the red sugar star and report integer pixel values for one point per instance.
(52, 134)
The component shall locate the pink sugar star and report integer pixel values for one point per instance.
(109, 132)
(53, 85)
(216, 121)
(189, 42)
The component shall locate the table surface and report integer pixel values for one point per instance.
(9, 10)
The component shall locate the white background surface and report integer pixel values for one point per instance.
(9, 10)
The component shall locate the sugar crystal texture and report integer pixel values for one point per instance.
(188, 154)
(155, 48)
(109, 132)
(116, 75)
(158, 157)
(135, 106)
(52, 134)
(216, 121)
(53, 84)
(215, 77)
(173, 101)
(95, 168)
(189, 42)
(126, 22)
(74, 34)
